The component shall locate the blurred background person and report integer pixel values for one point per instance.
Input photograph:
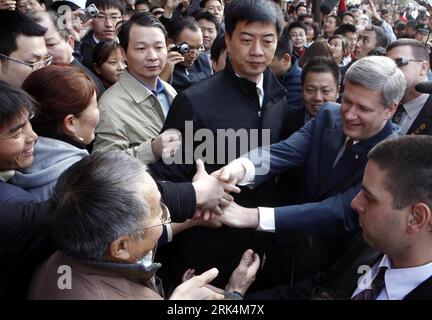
(108, 62)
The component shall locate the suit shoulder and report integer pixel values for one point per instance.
(211, 83)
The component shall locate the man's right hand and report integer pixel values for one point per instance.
(196, 288)
(166, 144)
(232, 173)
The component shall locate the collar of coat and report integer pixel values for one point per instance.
(135, 272)
(273, 90)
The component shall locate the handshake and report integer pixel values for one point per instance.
(215, 204)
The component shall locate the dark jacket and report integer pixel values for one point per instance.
(423, 123)
(324, 211)
(291, 81)
(183, 78)
(13, 194)
(86, 49)
(224, 101)
(339, 281)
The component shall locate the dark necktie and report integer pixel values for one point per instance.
(398, 114)
(375, 288)
(349, 144)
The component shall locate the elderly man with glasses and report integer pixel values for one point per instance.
(107, 221)
(22, 47)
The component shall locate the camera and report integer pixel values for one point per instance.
(90, 12)
(181, 48)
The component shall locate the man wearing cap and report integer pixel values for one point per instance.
(422, 33)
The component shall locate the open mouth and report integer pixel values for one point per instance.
(29, 152)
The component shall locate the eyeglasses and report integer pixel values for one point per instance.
(113, 19)
(196, 49)
(165, 218)
(35, 65)
(404, 61)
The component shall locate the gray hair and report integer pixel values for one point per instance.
(57, 20)
(96, 201)
(378, 74)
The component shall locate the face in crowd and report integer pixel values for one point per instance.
(251, 48)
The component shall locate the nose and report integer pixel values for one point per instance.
(108, 22)
(318, 96)
(257, 49)
(121, 65)
(356, 203)
(151, 54)
(350, 114)
(30, 135)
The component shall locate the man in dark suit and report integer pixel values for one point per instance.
(395, 218)
(333, 149)
(245, 99)
(414, 115)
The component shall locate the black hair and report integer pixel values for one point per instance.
(297, 24)
(321, 65)
(217, 47)
(14, 24)
(253, 11)
(13, 103)
(207, 15)
(144, 19)
(284, 45)
(344, 28)
(407, 162)
(180, 23)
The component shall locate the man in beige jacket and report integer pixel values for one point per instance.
(133, 110)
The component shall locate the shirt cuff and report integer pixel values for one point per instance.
(266, 219)
(249, 176)
(169, 233)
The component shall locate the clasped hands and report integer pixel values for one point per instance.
(215, 205)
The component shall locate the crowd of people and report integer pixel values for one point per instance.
(266, 152)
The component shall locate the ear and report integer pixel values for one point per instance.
(69, 124)
(119, 249)
(391, 110)
(419, 218)
(170, 41)
(286, 61)
(424, 68)
(71, 41)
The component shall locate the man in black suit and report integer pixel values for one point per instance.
(414, 115)
(395, 215)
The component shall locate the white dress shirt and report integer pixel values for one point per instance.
(266, 214)
(399, 282)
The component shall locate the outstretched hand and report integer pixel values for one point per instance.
(196, 288)
(244, 274)
(212, 194)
